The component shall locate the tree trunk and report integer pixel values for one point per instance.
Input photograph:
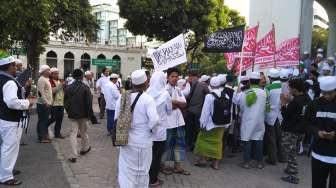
(33, 60)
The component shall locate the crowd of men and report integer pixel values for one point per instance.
(269, 116)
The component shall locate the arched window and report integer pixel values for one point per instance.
(101, 56)
(116, 65)
(51, 59)
(69, 63)
(85, 61)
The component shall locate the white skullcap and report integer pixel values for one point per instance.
(320, 50)
(254, 75)
(274, 73)
(284, 73)
(114, 76)
(87, 73)
(138, 77)
(310, 82)
(326, 68)
(7, 60)
(319, 55)
(44, 68)
(215, 81)
(331, 58)
(306, 52)
(244, 78)
(222, 78)
(53, 69)
(327, 83)
(204, 78)
(18, 61)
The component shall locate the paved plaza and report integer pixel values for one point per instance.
(45, 165)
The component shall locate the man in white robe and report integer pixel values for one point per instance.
(135, 158)
(252, 103)
(12, 118)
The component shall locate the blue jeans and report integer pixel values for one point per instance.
(110, 120)
(253, 149)
(43, 113)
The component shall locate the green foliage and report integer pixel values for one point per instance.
(319, 39)
(30, 22)
(163, 20)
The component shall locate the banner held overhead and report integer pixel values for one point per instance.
(170, 54)
(226, 40)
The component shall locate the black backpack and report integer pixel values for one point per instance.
(222, 108)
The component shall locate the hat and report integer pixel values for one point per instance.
(138, 77)
(274, 73)
(254, 75)
(114, 76)
(301, 64)
(310, 82)
(244, 78)
(53, 69)
(204, 78)
(181, 82)
(319, 55)
(18, 61)
(327, 83)
(222, 78)
(306, 52)
(320, 50)
(87, 73)
(326, 68)
(215, 81)
(284, 73)
(331, 58)
(5, 58)
(44, 68)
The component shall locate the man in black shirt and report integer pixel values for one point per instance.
(321, 118)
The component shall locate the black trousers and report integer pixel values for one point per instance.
(192, 129)
(43, 113)
(273, 141)
(102, 105)
(158, 149)
(57, 114)
(320, 173)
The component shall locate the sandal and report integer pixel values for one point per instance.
(215, 168)
(181, 171)
(200, 163)
(166, 171)
(12, 182)
(157, 184)
(290, 179)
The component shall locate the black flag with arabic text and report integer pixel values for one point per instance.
(225, 40)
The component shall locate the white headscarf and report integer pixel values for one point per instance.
(157, 86)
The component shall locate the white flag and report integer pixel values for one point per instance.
(170, 54)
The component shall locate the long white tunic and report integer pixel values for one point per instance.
(175, 119)
(207, 111)
(252, 123)
(274, 100)
(111, 95)
(10, 132)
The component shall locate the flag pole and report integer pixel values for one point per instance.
(253, 62)
(273, 28)
(241, 60)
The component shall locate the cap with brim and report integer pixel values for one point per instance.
(327, 83)
(274, 73)
(44, 68)
(215, 81)
(7, 60)
(254, 75)
(138, 77)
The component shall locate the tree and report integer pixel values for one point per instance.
(164, 20)
(319, 39)
(30, 23)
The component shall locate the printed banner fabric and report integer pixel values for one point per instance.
(170, 54)
(227, 40)
(266, 49)
(288, 53)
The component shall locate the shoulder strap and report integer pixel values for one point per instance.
(192, 91)
(214, 94)
(135, 101)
